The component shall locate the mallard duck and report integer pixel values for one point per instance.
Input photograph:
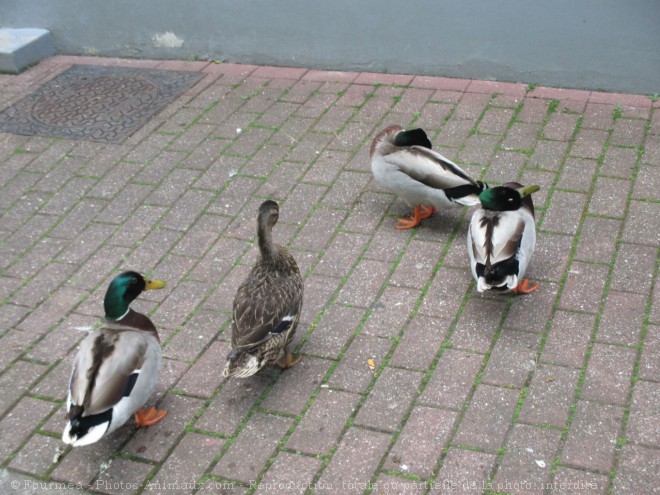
(502, 237)
(116, 368)
(404, 163)
(267, 305)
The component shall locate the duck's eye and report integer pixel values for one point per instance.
(133, 281)
(510, 200)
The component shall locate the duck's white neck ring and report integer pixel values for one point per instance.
(122, 316)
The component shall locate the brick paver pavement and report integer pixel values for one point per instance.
(553, 392)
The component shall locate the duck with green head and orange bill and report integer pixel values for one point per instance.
(116, 368)
(501, 239)
(403, 162)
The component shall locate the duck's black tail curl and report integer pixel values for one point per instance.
(80, 425)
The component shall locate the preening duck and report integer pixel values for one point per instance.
(502, 237)
(267, 305)
(404, 163)
(116, 368)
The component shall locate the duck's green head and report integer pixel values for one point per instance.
(413, 137)
(505, 198)
(123, 290)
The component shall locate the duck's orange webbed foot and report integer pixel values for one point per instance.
(288, 361)
(525, 287)
(419, 213)
(148, 417)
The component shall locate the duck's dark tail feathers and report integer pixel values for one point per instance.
(496, 274)
(467, 194)
(83, 430)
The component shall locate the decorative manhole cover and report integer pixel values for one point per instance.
(96, 103)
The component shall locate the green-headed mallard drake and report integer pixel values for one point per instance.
(502, 237)
(116, 368)
(267, 305)
(404, 163)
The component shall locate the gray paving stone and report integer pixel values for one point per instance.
(289, 474)
(512, 359)
(37, 455)
(577, 174)
(638, 470)
(19, 423)
(155, 443)
(550, 395)
(364, 283)
(503, 166)
(527, 462)
(598, 239)
(294, 387)
(324, 422)
(582, 276)
(609, 373)
(634, 268)
(355, 461)
(389, 399)
(122, 477)
(187, 462)
(619, 162)
(354, 373)
(564, 213)
(644, 418)
(478, 324)
(463, 471)
(649, 366)
(592, 438)
(232, 404)
(262, 429)
(421, 441)
(452, 379)
(642, 213)
(486, 420)
(391, 311)
(576, 481)
(420, 343)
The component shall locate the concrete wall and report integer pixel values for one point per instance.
(592, 44)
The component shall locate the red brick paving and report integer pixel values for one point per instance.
(593, 436)
(242, 461)
(638, 470)
(526, 463)
(353, 464)
(486, 420)
(464, 471)
(421, 441)
(552, 392)
(550, 395)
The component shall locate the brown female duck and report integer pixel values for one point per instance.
(267, 305)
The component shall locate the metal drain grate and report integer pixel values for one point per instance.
(93, 103)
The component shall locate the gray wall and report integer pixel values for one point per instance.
(592, 44)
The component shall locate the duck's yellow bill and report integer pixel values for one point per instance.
(153, 284)
(526, 191)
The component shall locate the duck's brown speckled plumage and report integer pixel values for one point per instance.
(267, 304)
